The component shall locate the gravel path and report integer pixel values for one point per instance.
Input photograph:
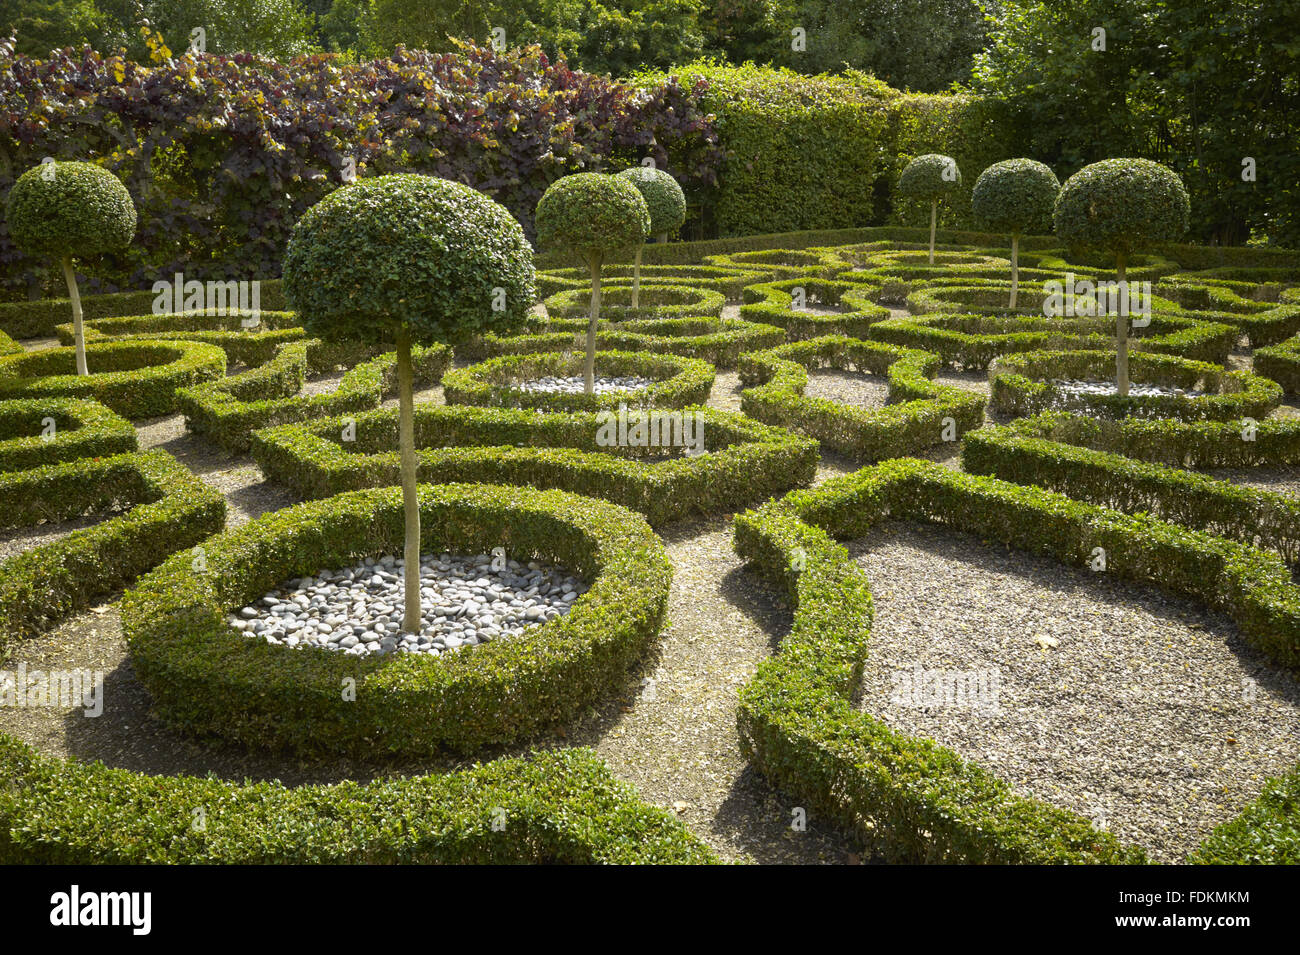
(1145, 713)
(848, 388)
(16, 540)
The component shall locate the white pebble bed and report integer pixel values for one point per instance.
(1135, 389)
(574, 385)
(358, 610)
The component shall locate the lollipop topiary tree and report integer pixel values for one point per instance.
(66, 211)
(930, 177)
(412, 259)
(1121, 206)
(590, 215)
(667, 204)
(1015, 196)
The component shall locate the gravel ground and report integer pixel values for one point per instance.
(1145, 713)
(16, 540)
(848, 388)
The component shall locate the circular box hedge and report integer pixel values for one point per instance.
(783, 263)
(208, 680)
(82, 429)
(772, 303)
(242, 345)
(135, 379)
(678, 382)
(657, 301)
(729, 282)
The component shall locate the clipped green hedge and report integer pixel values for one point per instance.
(1281, 363)
(772, 304)
(726, 281)
(990, 297)
(230, 409)
(1124, 484)
(1264, 323)
(657, 301)
(1023, 385)
(973, 341)
(246, 346)
(8, 346)
(141, 379)
(1266, 833)
(563, 806)
(916, 800)
(82, 429)
(678, 382)
(777, 378)
(745, 461)
(168, 509)
(207, 679)
(821, 263)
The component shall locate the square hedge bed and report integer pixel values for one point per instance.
(80, 429)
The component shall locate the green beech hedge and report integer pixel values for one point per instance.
(246, 346)
(1125, 484)
(135, 379)
(1022, 385)
(207, 679)
(563, 806)
(230, 409)
(916, 800)
(657, 301)
(81, 429)
(973, 341)
(726, 281)
(924, 410)
(772, 304)
(166, 509)
(678, 382)
(744, 461)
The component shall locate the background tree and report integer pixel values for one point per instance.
(1015, 196)
(667, 204)
(417, 259)
(930, 177)
(590, 215)
(67, 211)
(1121, 206)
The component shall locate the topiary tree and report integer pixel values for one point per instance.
(66, 211)
(419, 259)
(591, 215)
(1015, 196)
(1121, 206)
(930, 177)
(667, 204)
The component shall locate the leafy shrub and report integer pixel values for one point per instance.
(661, 301)
(930, 177)
(1015, 196)
(81, 429)
(772, 303)
(663, 197)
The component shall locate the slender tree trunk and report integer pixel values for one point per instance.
(1015, 268)
(78, 329)
(636, 278)
(934, 218)
(589, 372)
(410, 502)
(1121, 332)
(663, 238)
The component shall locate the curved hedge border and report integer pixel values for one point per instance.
(82, 429)
(1281, 363)
(679, 382)
(1141, 268)
(657, 301)
(206, 679)
(563, 806)
(745, 461)
(917, 800)
(726, 281)
(8, 346)
(719, 341)
(1022, 385)
(1254, 517)
(1264, 323)
(779, 376)
(776, 264)
(156, 370)
(990, 298)
(248, 346)
(973, 341)
(230, 409)
(771, 303)
(170, 509)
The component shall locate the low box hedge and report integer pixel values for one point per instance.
(1024, 384)
(152, 507)
(678, 382)
(1281, 363)
(1264, 323)
(80, 429)
(727, 281)
(230, 409)
(745, 461)
(1267, 832)
(657, 301)
(990, 297)
(772, 303)
(914, 800)
(823, 263)
(8, 346)
(135, 379)
(245, 346)
(924, 410)
(206, 679)
(563, 806)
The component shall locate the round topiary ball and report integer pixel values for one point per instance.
(70, 209)
(1015, 196)
(435, 256)
(1121, 205)
(926, 177)
(663, 197)
(589, 214)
